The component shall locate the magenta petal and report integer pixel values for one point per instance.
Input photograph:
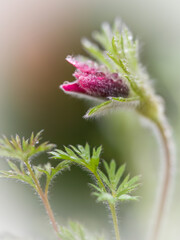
(103, 87)
(83, 67)
(72, 87)
(92, 80)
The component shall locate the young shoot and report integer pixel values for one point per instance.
(19, 154)
(108, 188)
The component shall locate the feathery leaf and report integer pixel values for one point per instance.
(15, 148)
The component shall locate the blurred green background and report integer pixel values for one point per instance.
(36, 36)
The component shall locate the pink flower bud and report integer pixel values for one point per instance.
(95, 81)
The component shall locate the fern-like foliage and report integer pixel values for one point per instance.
(75, 231)
(49, 171)
(109, 187)
(18, 173)
(115, 190)
(24, 169)
(80, 155)
(23, 149)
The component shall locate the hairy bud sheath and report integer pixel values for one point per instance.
(92, 80)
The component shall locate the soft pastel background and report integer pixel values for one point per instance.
(35, 38)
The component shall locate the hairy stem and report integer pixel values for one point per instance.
(47, 188)
(166, 178)
(112, 209)
(115, 221)
(44, 198)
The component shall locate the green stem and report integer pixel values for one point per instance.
(44, 198)
(115, 221)
(47, 187)
(112, 209)
(167, 176)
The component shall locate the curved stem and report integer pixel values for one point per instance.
(166, 180)
(112, 209)
(44, 198)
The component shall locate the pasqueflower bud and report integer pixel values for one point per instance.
(115, 76)
(92, 80)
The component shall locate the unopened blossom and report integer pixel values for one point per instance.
(95, 81)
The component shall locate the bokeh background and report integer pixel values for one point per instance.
(36, 36)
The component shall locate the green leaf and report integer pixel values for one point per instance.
(25, 178)
(59, 168)
(18, 173)
(119, 174)
(123, 185)
(48, 168)
(113, 104)
(128, 186)
(22, 149)
(97, 188)
(13, 166)
(59, 154)
(119, 190)
(81, 156)
(134, 180)
(120, 99)
(98, 109)
(38, 172)
(104, 178)
(128, 103)
(112, 170)
(120, 47)
(102, 195)
(105, 197)
(126, 197)
(22, 167)
(84, 152)
(96, 53)
(104, 37)
(70, 153)
(51, 171)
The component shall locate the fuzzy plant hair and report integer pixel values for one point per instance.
(109, 187)
(115, 76)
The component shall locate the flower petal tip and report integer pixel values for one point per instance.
(70, 59)
(71, 87)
